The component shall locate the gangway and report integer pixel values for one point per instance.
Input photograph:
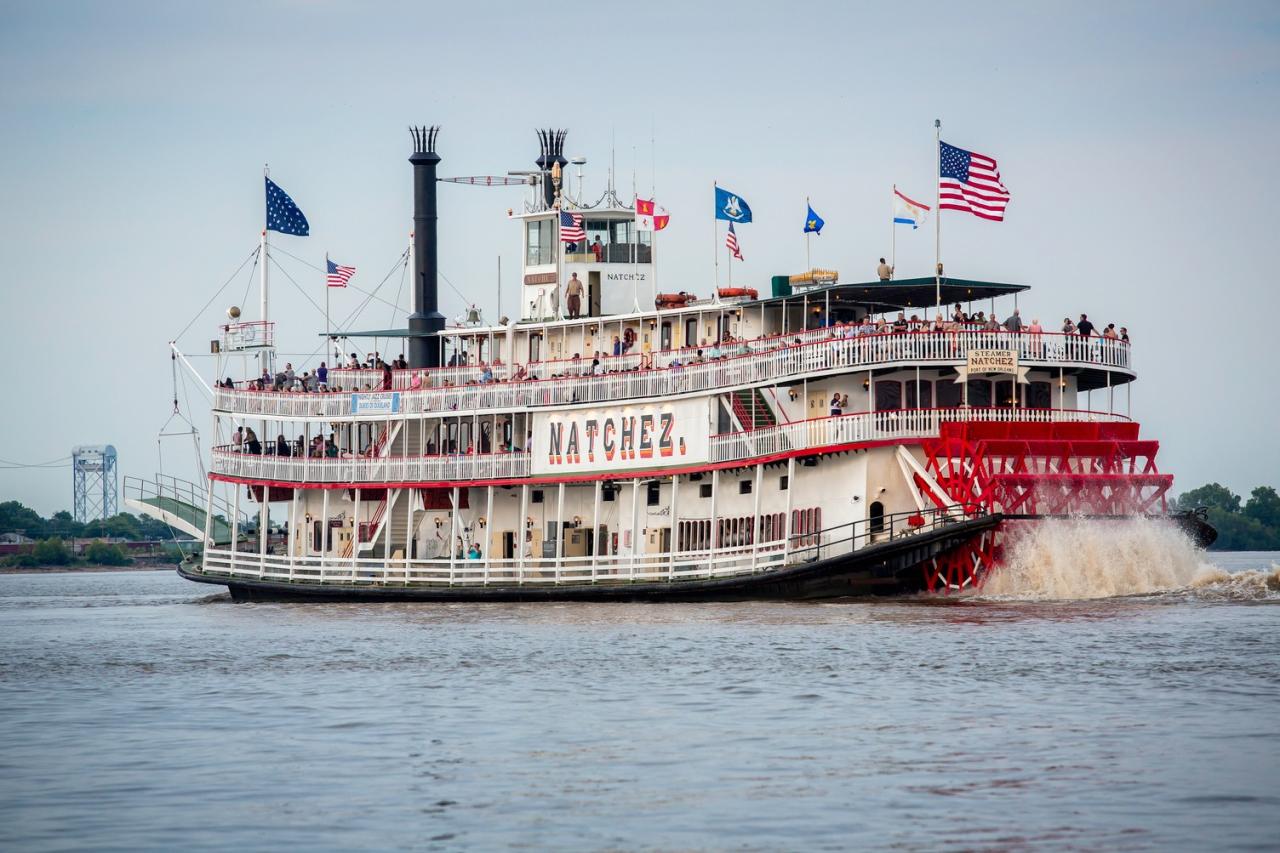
(181, 504)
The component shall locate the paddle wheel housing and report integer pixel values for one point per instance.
(1037, 469)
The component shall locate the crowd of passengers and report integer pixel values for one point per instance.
(727, 346)
(245, 440)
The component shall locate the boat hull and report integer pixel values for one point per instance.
(884, 568)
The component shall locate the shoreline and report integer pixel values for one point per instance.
(67, 570)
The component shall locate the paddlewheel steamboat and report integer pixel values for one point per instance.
(735, 444)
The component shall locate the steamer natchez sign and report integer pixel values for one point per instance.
(646, 436)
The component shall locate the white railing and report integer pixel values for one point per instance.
(867, 427)
(897, 425)
(365, 469)
(703, 564)
(755, 366)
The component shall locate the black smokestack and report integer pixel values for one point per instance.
(426, 316)
(552, 144)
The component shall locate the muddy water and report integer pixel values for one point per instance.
(142, 713)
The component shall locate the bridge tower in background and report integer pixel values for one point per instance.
(94, 483)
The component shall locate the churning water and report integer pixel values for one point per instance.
(1084, 559)
(141, 712)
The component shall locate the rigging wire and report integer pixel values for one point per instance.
(251, 255)
(60, 462)
(404, 273)
(305, 295)
(248, 285)
(401, 261)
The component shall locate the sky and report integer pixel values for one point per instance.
(1138, 141)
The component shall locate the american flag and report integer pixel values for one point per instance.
(731, 242)
(338, 274)
(970, 182)
(571, 228)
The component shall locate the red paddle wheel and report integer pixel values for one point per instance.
(1038, 469)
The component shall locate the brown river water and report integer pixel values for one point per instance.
(1121, 694)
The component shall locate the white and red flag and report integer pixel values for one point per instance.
(644, 214)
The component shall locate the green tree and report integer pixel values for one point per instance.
(1264, 506)
(62, 524)
(51, 552)
(102, 554)
(1213, 495)
(18, 518)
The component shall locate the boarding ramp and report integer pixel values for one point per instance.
(181, 505)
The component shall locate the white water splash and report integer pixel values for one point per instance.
(1082, 559)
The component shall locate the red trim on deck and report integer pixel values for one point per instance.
(584, 477)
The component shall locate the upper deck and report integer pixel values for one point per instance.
(677, 372)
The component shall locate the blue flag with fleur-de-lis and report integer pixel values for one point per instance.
(282, 214)
(813, 222)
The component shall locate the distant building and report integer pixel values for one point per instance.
(15, 539)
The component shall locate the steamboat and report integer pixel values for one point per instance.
(724, 445)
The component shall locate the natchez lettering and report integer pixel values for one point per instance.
(620, 437)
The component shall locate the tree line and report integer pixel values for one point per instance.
(1253, 525)
(17, 518)
(51, 535)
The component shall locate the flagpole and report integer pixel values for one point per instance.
(808, 264)
(893, 229)
(328, 332)
(262, 258)
(715, 243)
(937, 219)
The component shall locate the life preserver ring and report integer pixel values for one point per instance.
(750, 292)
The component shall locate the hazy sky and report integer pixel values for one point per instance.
(1139, 142)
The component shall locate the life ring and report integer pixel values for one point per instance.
(749, 292)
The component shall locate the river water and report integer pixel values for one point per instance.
(143, 712)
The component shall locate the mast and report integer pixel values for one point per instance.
(265, 358)
(937, 219)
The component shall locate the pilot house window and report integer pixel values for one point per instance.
(540, 243)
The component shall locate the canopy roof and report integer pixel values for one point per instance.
(907, 293)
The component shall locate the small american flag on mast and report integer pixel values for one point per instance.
(970, 182)
(731, 242)
(338, 274)
(571, 227)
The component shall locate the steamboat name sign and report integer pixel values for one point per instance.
(993, 361)
(628, 437)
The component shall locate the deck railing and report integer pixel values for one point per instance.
(746, 364)
(727, 447)
(365, 469)
(703, 564)
(894, 425)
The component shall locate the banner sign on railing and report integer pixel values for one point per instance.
(376, 403)
(627, 437)
(979, 361)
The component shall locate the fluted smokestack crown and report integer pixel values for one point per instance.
(551, 143)
(426, 316)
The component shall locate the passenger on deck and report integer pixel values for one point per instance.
(884, 271)
(573, 296)
(251, 442)
(322, 377)
(1068, 327)
(1084, 328)
(1014, 322)
(597, 250)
